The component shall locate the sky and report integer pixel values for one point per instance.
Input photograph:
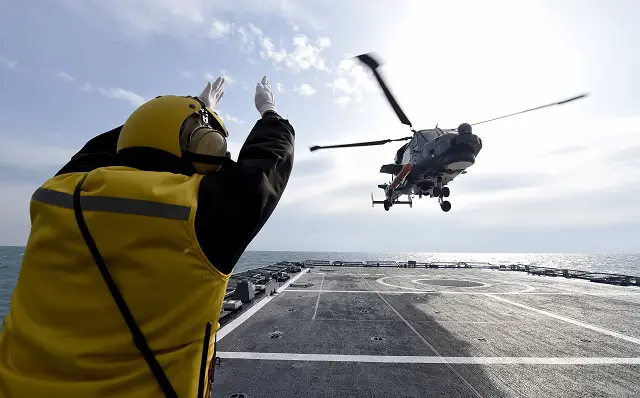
(563, 179)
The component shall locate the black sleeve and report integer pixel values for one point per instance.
(235, 202)
(98, 151)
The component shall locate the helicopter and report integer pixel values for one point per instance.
(431, 159)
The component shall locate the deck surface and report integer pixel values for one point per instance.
(403, 332)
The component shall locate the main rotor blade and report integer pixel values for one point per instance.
(368, 143)
(536, 108)
(373, 64)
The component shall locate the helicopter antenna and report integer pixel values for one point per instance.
(533, 109)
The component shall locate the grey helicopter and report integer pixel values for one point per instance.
(431, 159)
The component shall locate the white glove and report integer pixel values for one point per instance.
(213, 93)
(264, 97)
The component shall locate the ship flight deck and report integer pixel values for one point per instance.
(380, 329)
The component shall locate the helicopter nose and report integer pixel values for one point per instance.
(459, 158)
(467, 142)
(463, 151)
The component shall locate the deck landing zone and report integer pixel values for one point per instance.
(433, 332)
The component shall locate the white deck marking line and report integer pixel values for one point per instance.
(318, 300)
(382, 282)
(358, 320)
(519, 293)
(611, 295)
(418, 282)
(281, 356)
(569, 320)
(432, 348)
(228, 328)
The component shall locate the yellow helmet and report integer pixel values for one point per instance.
(170, 123)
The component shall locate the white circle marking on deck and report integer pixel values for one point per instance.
(527, 288)
(482, 284)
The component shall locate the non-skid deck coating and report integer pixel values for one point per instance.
(411, 332)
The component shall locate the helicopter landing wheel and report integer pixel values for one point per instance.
(386, 205)
(445, 206)
(437, 191)
(445, 192)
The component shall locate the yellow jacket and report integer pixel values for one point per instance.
(64, 335)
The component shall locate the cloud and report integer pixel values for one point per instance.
(122, 94)
(373, 229)
(65, 76)
(307, 54)
(12, 174)
(343, 101)
(31, 155)
(305, 90)
(8, 63)
(145, 19)
(568, 149)
(307, 168)
(625, 157)
(255, 30)
(279, 87)
(228, 118)
(187, 20)
(211, 77)
(186, 74)
(114, 93)
(227, 79)
(352, 82)
(220, 29)
(501, 183)
(15, 222)
(294, 27)
(304, 54)
(148, 18)
(247, 40)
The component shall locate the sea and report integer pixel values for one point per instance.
(627, 264)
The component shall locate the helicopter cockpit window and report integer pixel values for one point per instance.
(429, 135)
(400, 153)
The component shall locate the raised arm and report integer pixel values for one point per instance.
(235, 202)
(97, 152)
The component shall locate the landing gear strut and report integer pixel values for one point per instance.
(442, 192)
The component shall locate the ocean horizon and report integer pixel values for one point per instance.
(625, 263)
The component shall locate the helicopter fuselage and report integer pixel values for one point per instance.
(435, 157)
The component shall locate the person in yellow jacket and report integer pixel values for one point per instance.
(131, 247)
